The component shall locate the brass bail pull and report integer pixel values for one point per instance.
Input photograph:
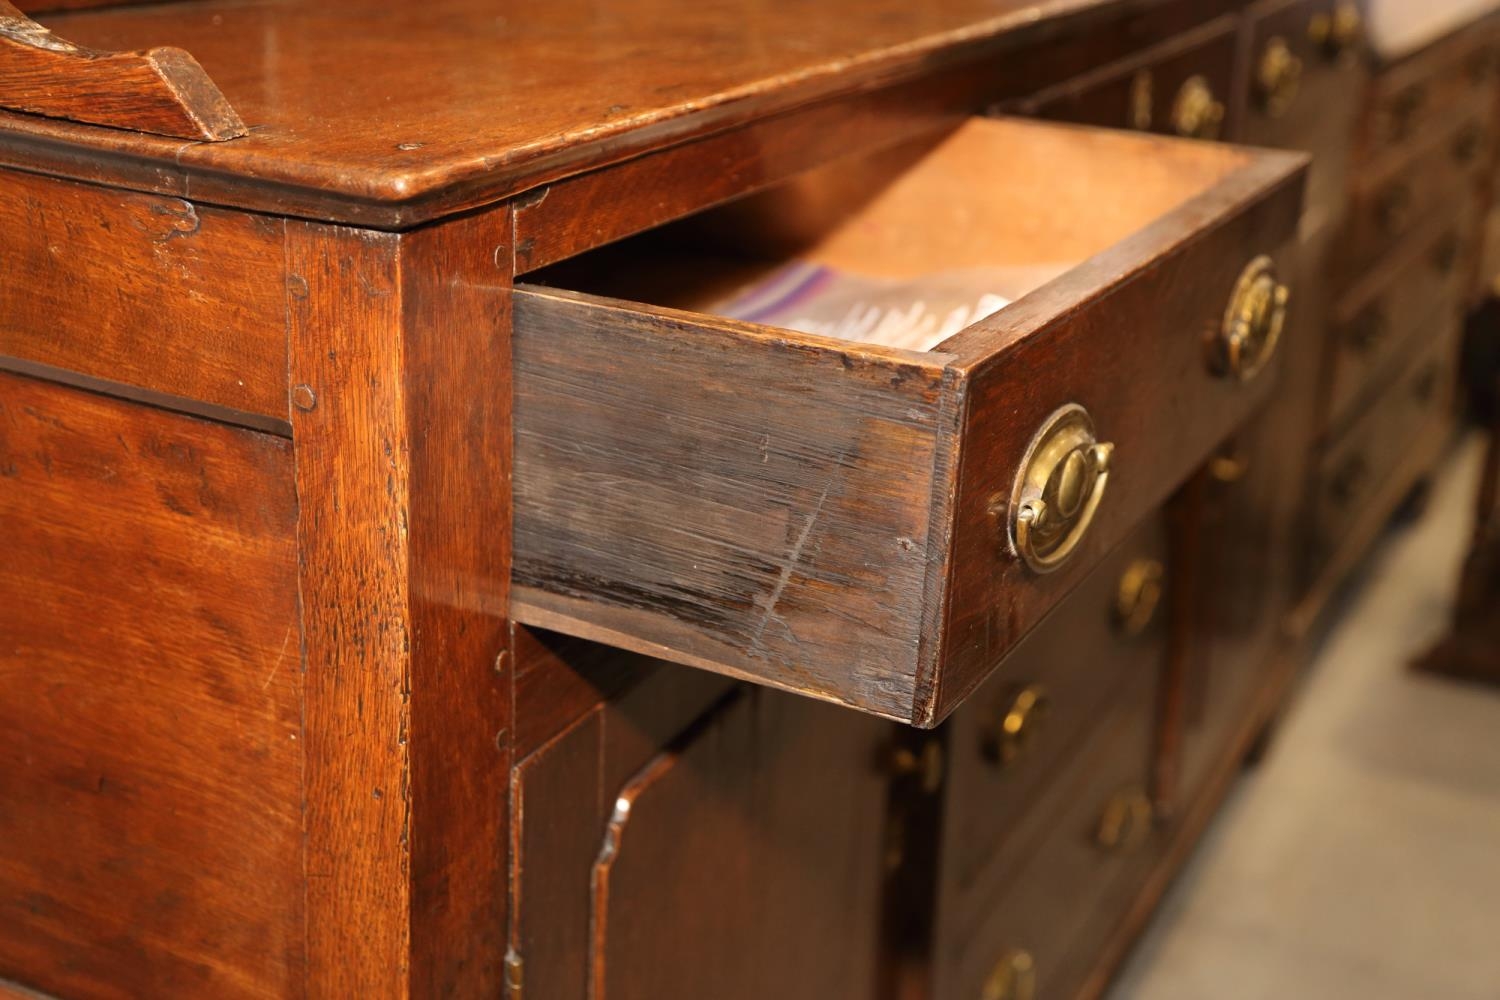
(1058, 489)
(1253, 322)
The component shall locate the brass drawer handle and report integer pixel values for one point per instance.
(1337, 34)
(1058, 489)
(1401, 112)
(1393, 210)
(1126, 822)
(1445, 255)
(1467, 144)
(926, 763)
(1424, 388)
(1012, 978)
(1278, 78)
(1253, 322)
(1014, 726)
(1196, 113)
(1369, 328)
(1142, 100)
(1138, 595)
(1349, 480)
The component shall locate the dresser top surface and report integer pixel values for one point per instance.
(373, 102)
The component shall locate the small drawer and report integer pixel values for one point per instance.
(1356, 471)
(1181, 88)
(1375, 323)
(1011, 741)
(877, 525)
(1391, 203)
(1070, 874)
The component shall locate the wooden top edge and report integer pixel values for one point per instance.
(340, 131)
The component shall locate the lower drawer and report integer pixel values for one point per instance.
(1358, 469)
(1071, 871)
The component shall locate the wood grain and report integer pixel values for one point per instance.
(157, 293)
(756, 503)
(161, 90)
(151, 733)
(403, 486)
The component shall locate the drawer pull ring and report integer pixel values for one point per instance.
(1126, 821)
(1279, 77)
(1139, 595)
(1058, 489)
(1015, 724)
(1013, 977)
(1337, 34)
(1252, 321)
(1196, 114)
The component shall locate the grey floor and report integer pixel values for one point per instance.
(1362, 857)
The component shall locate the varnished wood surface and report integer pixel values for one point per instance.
(150, 730)
(157, 293)
(403, 485)
(162, 91)
(488, 101)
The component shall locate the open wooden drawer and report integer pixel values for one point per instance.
(879, 526)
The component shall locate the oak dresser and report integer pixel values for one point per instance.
(416, 581)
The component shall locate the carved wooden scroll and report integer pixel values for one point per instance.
(163, 91)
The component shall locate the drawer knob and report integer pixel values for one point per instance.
(1445, 255)
(1139, 595)
(1278, 78)
(1369, 328)
(1468, 143)
(1393, 211)
(1012, 978)
(1014, 726)
(1339, 33)
(1058, 490)
(926, 764)
(1126, 821)
(1196, 113)
(1252, 322)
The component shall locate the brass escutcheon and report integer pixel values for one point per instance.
(1015, 723)
(1196, 113)
(1012, 978)
(1278, 78)
(1058, 489)
(1139, 595)
(1252, 322)
(1126, 821)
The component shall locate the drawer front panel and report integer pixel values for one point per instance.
(1180, 89)
(1356, 470)
(1010, 743)
(800, 511)
(1376, 323)
(1391, 204)
(1072, 871)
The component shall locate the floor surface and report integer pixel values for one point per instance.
(1361, 858)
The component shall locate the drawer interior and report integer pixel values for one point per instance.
(984, 214)
(830, 510)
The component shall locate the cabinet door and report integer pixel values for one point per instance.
(739, 857)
